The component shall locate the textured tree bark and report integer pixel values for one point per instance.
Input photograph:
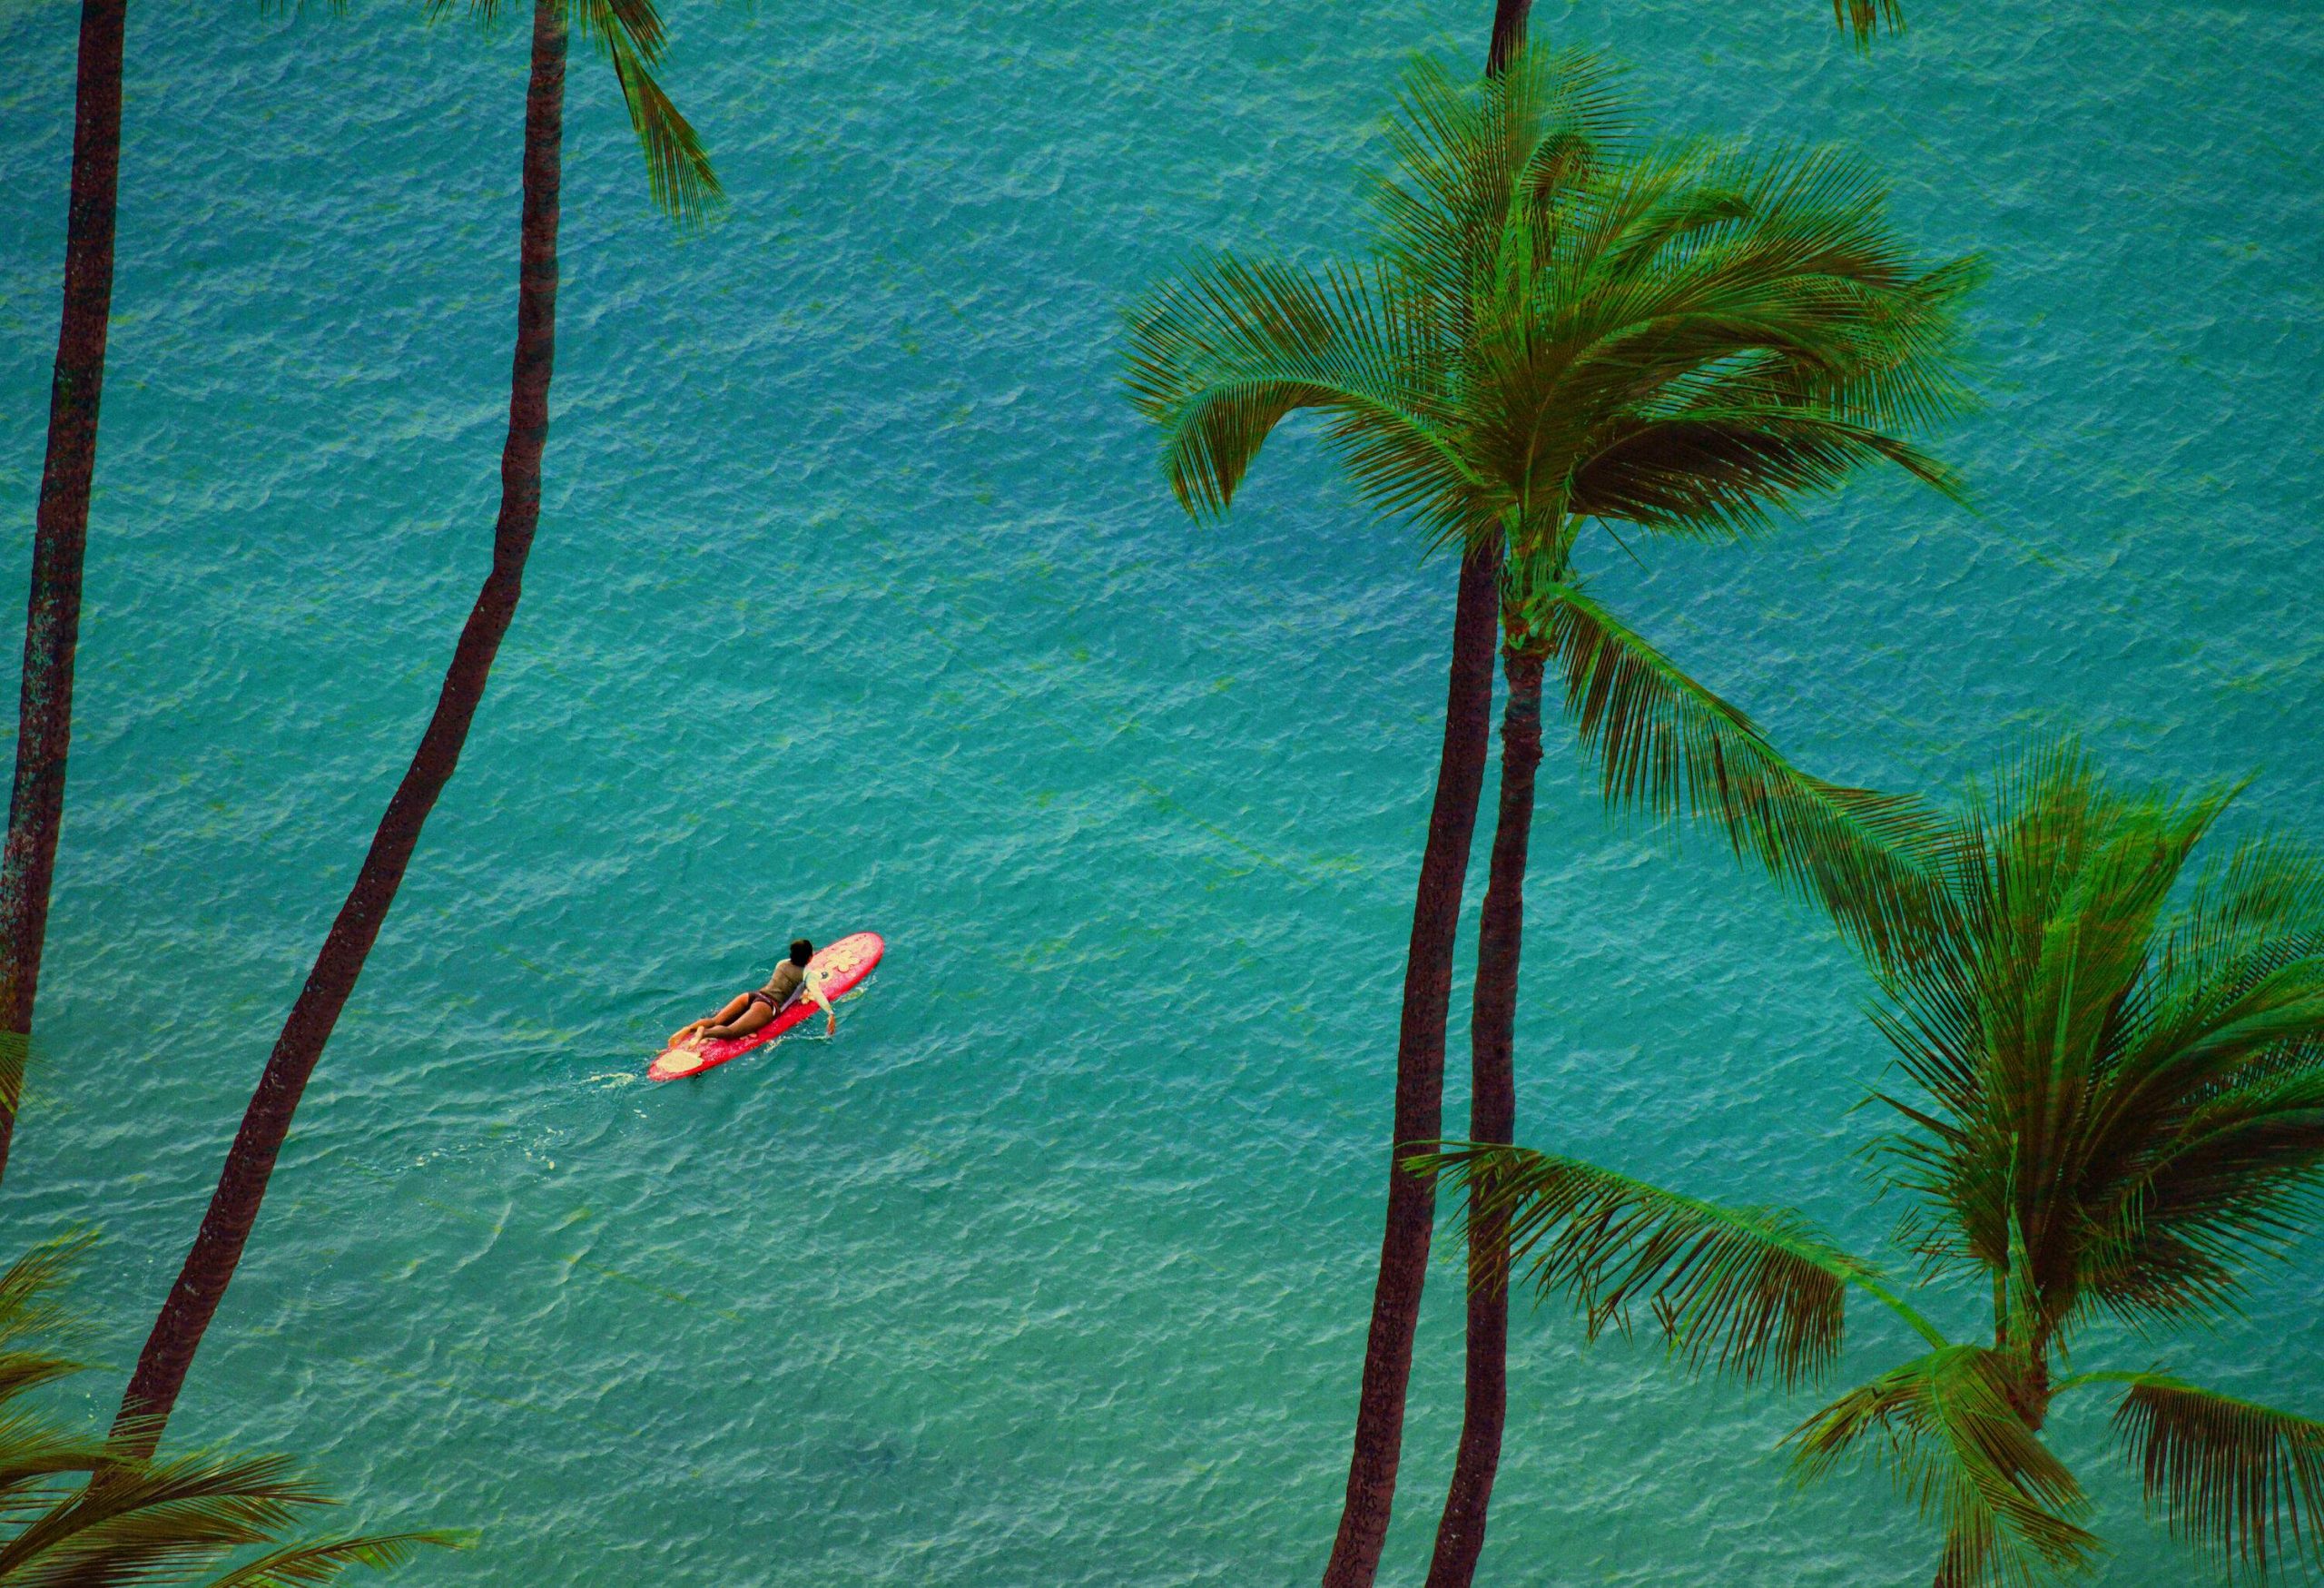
(1420, 1077)
(1493, 1118)
(1508, 34)
(60, 535)
(209, 1268)
(1420, 1038)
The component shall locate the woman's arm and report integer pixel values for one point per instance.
(815, 990)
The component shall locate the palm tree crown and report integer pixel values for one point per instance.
(2133, 1095)
(2115, 1105)
(1559, 324)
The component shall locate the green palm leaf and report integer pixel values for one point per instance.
(301, 1565)
(1719, 473)
(679, 174)
(1220, 357)
(139, 1521)
(2244, 1482)
(1864, 18)
(175, 1521)
(15, 1051)
(1558, 321)
(1745, 1289)
(1471, 156)
(156, 1519)
(1666, 747)
(2155, 1078)
(40, 1461)
(1951, 1436)
(75, 1514)
(27, 1370)
(33, 1319)
(1704, 275)
(632, 37)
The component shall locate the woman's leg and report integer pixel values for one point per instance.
(734, 1006)
(744, 1023)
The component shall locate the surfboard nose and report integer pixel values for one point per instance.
(673, 1063)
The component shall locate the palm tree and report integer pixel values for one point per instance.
(1680, 340)
(2112, 1108)
(1377, 1446)
(141, 1522)
(1551, 330)
(1428, 984)
(630, 34)
(61, 527)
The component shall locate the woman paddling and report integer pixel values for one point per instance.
(792, 980)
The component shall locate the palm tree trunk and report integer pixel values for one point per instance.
(1420, 1077)
(1508, 34)
(1493, 1118)
(177, 1333)
(60, 533)
(1420, 1037)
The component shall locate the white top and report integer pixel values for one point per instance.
(810, 986)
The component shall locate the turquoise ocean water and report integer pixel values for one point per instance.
(858, 603)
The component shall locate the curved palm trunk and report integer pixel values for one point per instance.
(1420, 1037)
(169, 1350)
(1493, 1118)
(1508, 34)
(60, 533)
(1420, 1077)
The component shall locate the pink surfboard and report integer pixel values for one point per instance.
(849, 961)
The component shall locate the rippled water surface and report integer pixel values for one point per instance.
(858, 603)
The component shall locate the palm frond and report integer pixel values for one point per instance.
(1221, 357)
(77, 1512)
(1864, 18)
(2237, 973)
(1559, 321)
(679, 174)
(1950, 1434)
(2211, 1120)
(633, 37)
(32, 1306)
(1745, 1289)
(1666, 746)
(36, 1332)
(302, 1565)
(41, 1463)
(637, 23)
(2158, 1080)
(138, 1520)
(1709, 473)
(40, 1458)
(14, 1047)
(28, 1370)
(2265, 892)
(1472, 155)
(2212, 1185)
(2244, 1483)
(1694, 258)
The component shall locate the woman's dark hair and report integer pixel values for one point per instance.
(802, 951)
